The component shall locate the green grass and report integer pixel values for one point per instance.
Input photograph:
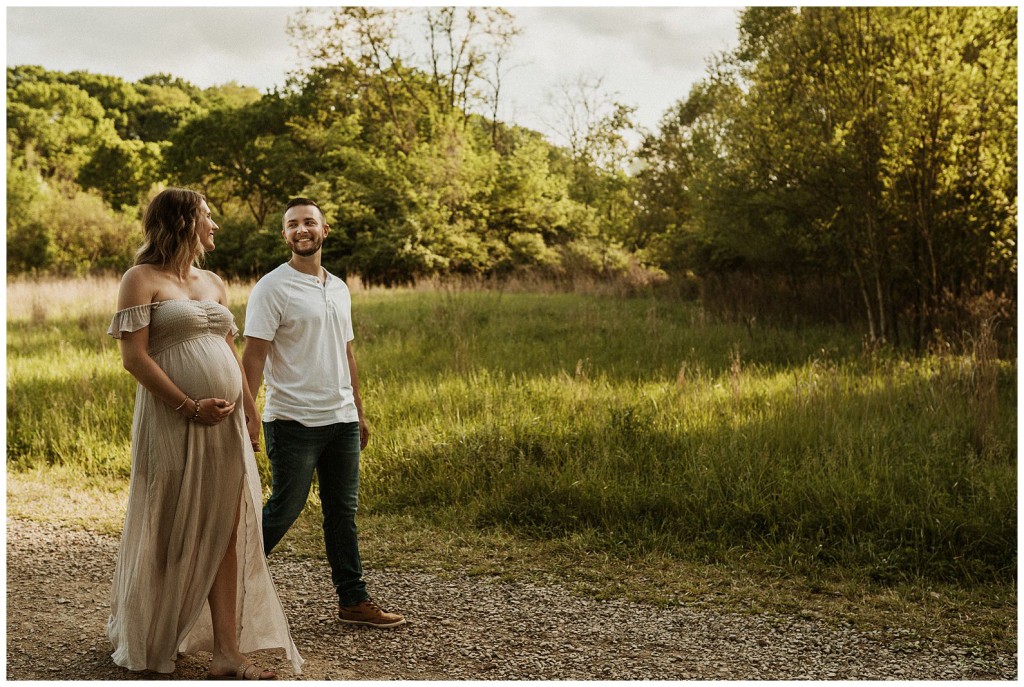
(623, 430)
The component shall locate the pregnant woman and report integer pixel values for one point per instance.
(191, 574)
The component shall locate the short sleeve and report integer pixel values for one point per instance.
(346, 304)
(263, 311)
(130, 319)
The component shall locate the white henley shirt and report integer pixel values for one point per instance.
(308, 325)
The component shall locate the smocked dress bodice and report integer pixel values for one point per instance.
(174, 322)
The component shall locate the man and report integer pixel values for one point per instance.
(298, 334)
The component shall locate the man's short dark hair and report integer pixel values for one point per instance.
(295, 202)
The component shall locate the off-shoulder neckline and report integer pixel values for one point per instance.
(173, 300)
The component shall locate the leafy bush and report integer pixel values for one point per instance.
(70, 234)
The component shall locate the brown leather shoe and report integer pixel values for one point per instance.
(369, 613)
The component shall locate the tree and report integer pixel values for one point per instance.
(682, 180)
(123, 171)
(595, 127)
(168, 103)
(55, 126)
(230, 95)
(948, 160)
(466, 48)
(243, 154)
(865, 148)
(404, 151)
(503, 31)
(120, 99)
(29, 242)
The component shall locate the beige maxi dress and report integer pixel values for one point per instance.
(188, 483)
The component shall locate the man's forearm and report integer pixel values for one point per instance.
(253, 359)
(353, 372)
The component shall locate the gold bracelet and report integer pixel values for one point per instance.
(182, 404)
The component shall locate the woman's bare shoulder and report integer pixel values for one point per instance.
(137, 287)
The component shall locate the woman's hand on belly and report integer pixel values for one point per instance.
(212, 411)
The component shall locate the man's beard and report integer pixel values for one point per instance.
(310, 249)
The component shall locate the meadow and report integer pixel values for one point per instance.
(632, 427)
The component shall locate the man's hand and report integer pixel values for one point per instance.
(364, 433)
(252, 425)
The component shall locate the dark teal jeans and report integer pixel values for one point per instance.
(295, 451)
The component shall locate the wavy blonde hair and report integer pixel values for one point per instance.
(169, 231)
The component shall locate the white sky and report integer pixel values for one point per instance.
(648, 57)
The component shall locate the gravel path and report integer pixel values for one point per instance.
(58, 580)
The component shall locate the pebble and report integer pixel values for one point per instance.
(474, 628)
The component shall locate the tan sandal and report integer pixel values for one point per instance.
(246, 671)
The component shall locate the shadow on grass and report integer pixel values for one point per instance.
(863, 480)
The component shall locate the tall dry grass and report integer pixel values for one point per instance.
(62, 299)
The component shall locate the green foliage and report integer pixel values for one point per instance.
(81, 234)
(230, 96)
(240, 154)
(632, 421)
(420, 196)
(867, 147)
(30, 245)
(414, 183)
(244, 250)
(851, 164)
(168, 102)
(119, 98)
(123, 171)
(530, 249)
(528, 195)
(55, 126)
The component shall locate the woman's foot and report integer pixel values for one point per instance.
(242, 668)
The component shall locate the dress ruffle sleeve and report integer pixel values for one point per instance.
(130, 319)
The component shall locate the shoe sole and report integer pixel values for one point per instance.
(366, 623)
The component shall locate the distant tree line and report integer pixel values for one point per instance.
(859, 162)
(853, 163)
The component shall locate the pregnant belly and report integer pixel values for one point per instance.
(203, 368)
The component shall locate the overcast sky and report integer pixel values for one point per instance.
(648, 57)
